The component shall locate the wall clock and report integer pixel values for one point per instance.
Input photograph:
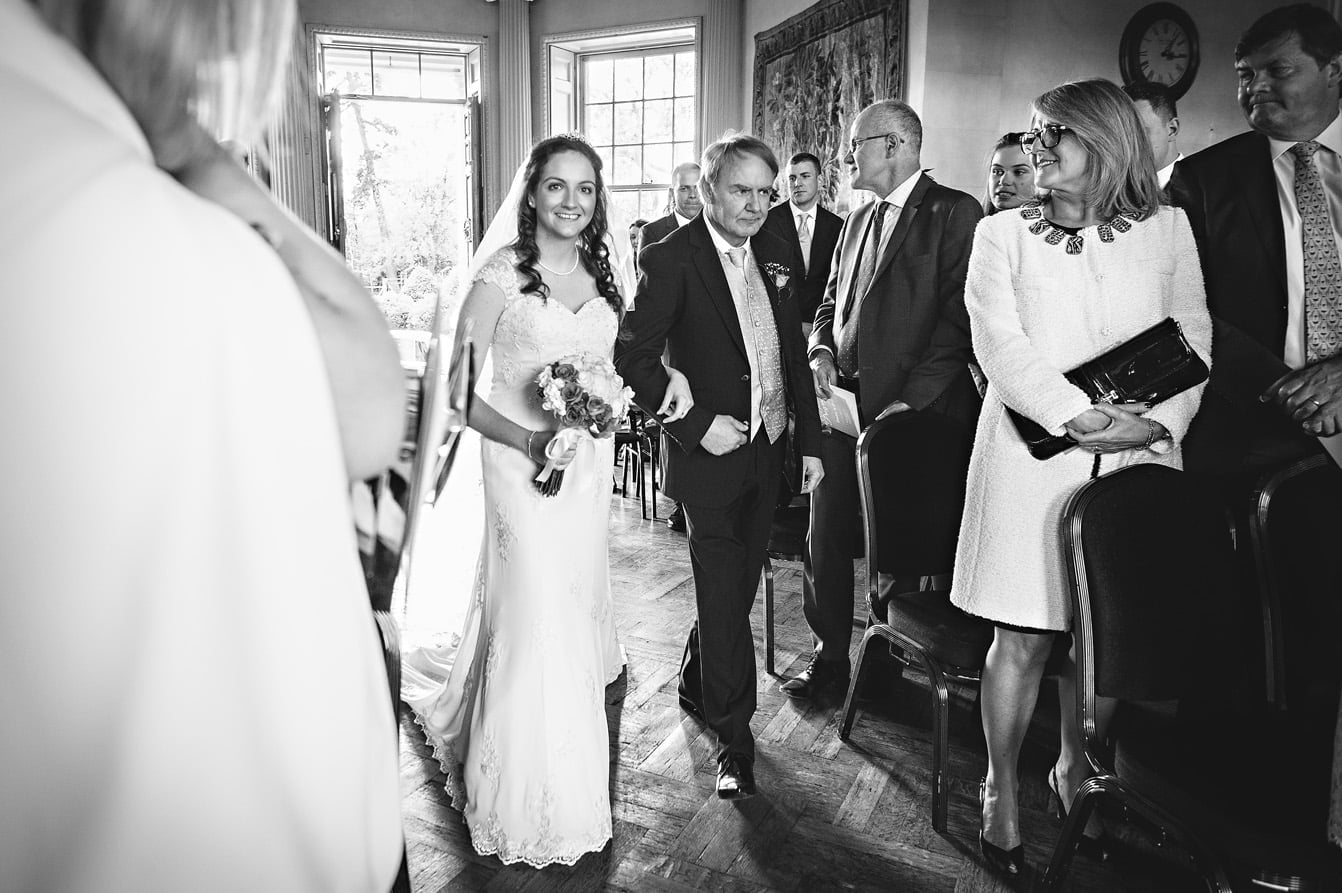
(1160, 46)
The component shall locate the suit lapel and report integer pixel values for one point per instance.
(906, 215)
(709, 268)
(1260, 201)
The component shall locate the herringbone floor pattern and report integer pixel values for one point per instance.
(830, 815)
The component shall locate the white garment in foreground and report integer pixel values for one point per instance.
(191, 682)
(514, 706)
(1036, 311)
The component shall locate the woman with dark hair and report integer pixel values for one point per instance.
(1052, 284)
(515, 710)
(1010, 177)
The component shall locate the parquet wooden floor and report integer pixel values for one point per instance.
(830, 815)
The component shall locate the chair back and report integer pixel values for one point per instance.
(1296, 532)
(912, 469)
(1150, 563)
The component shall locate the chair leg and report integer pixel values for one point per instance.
(850, 702)
(769, 616)
(940, 743)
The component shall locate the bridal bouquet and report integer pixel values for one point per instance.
(589, 398)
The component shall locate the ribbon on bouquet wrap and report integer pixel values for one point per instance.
(564, 440)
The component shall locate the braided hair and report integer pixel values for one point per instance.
(592, 250)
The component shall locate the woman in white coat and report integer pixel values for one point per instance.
(1052, 284)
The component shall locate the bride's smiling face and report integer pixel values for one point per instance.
(565, 196)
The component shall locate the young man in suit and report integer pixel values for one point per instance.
(893, 329)
(1266, 209)
(714, 296)
(809, 229)
(1160, 119)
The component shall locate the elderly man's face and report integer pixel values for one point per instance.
(739, 202)
(1284, 93)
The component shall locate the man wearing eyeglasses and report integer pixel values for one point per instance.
(892, 328)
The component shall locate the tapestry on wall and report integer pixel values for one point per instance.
(815, 72)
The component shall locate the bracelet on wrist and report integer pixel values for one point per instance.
(1151, 434)
(529, 437)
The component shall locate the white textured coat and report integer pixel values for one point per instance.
(1036, 311)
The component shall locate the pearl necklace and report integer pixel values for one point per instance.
(576, 257)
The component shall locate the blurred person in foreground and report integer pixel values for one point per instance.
(1052, 284)
(1010, 177)
(194, 378)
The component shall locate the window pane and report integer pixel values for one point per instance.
(657, 163)
(684, 120)
(597, 125)
(607, 159)
(628, 122)
(444, 77)
(396, 74)
(628, 165)
(685, 74)
(597, 75)
(347, 71)
(629, 78)
(683, 152)
(627, 202)
(657, 120)
(658, 76)
(652, 203)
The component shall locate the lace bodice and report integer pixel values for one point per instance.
(532, 332)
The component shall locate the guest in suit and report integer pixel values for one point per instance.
(713, 295)
(685, 204)
(1010, 177)
(1160, 119)
(809, 229)
(1051, 285)
(1266, 209)
(636, 234)
(892, 328)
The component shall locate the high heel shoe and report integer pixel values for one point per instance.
(1094, 848)
(1008, 863)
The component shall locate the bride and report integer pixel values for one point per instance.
(515, 711)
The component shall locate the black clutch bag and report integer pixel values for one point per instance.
(1147, 368)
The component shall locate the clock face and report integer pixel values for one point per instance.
(1160, 46)
(1163, 52)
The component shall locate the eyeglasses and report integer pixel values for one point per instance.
(1048, 136)
(854, 143)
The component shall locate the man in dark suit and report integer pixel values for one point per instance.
(1266, 210)
(685, 204)
(809, 229)
(714, 296)
(894, 330)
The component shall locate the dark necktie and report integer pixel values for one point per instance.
(1323, 273)
(866, 269)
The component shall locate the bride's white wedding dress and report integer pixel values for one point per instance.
(515, 708)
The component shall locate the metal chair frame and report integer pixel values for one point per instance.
(912, 652)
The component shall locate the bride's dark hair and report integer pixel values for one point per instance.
(592, 250)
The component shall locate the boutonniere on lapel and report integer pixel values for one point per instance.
(781, 276)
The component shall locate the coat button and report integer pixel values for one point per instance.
(745, 378)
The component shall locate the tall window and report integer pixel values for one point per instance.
(638, 109)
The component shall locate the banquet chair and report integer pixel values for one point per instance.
(1294, 530)
(1150, 567)
(911, 472)
(636, 444)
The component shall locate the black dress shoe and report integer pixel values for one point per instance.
(736, 778)
(1004, 863)
(818, 674)
(676, 520)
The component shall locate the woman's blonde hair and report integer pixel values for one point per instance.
(1119, 165)
(181, 63)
